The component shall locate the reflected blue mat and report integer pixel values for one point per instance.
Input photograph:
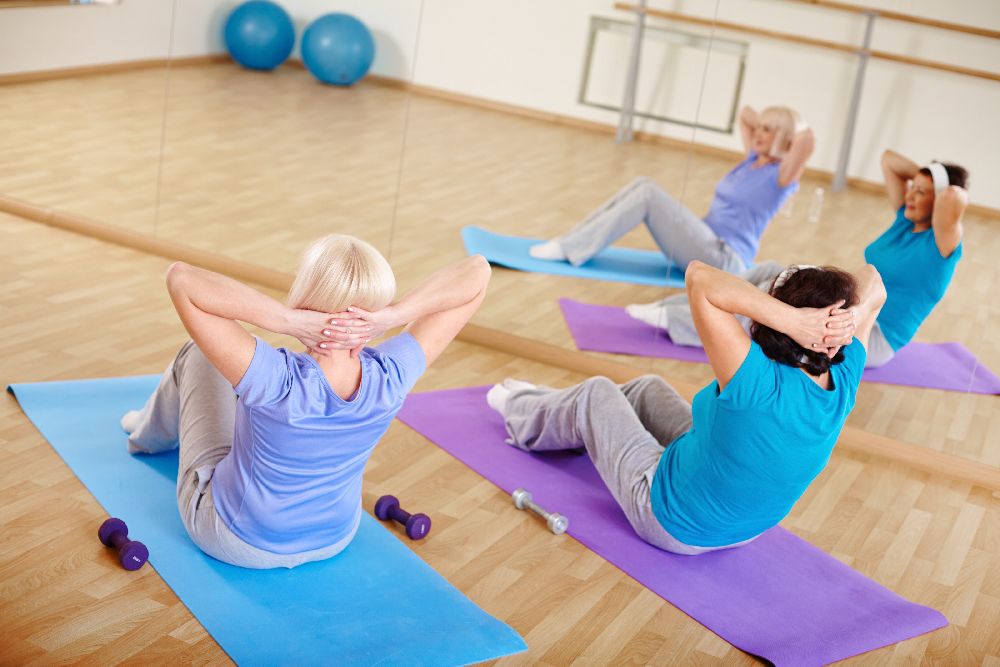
(624, 265)
(375, 603)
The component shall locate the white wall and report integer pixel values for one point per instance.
(530, 54)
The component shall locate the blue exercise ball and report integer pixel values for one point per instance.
(338, 49)
(259, 34)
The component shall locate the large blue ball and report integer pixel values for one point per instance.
(338, 49)
(259, 34)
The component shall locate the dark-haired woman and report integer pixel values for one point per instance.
(717, 473)
(916, 257)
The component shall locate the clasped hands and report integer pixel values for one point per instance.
(351, 329)
(823, 330)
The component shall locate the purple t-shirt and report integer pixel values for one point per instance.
(292, 481)
(745, 201)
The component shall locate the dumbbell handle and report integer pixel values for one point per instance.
(557, 522)
(397, 513)
(119, 539)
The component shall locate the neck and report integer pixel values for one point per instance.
(763, 159)
(823, 380)
(342, 371)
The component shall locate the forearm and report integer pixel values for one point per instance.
(451, 287)
(737, 297)
(898, 165)
(218, 295)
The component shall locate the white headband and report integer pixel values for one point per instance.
(939, 175)
(787, 273)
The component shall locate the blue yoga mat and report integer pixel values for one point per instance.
(374, 603)
(624, 265)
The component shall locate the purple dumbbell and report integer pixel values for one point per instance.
(417, 525)
(131, 554)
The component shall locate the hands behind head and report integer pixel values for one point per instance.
(824, 329)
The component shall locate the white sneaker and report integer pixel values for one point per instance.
(497, 396)
(653, 314)
(550, 250)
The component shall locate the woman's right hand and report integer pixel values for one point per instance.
(823, 329)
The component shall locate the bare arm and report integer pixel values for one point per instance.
(897, 170)
(748, 122)
(949, 207)
(793, 163)
(210, 305)
(871, 297)
(716, 298)
(437, 309)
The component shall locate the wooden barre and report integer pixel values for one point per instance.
(900, 16)
(809, 41)
(851, 440)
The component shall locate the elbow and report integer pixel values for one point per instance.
(694, 276)
(482, 270)
(176, 274)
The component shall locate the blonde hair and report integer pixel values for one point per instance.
(787, 122)
(338, 271)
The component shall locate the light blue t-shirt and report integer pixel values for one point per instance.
(752, 450)
(915, 275)
(292, 481)
(745, 201)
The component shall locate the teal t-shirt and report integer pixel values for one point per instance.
(915, 275)
(752, 450)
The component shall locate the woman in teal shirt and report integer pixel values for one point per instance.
(918, 254)
(719, 472)
(916, 258)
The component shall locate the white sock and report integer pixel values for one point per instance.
(497, 396)
(550, 250)
(653, 314)
(130, 422)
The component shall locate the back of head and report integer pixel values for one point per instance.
(338, 271)
(957, 175)
(805, 287)
(786, 122)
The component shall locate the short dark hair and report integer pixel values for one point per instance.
(806, 287)
(956, 175)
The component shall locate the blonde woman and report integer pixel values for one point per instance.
(777, 147)
(273, 442)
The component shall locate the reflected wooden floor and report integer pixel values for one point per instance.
(260, 183)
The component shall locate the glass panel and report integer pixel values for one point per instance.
(257, 164)
(81, 111)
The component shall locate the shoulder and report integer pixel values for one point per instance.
(269, 374)
(401, 356)
(755, 381)
(853, 365)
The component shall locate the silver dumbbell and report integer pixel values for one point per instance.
(557, 522)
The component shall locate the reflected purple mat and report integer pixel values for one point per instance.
(779, 597)
(947, 366)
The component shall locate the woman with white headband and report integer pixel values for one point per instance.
(916, 257)
(777, 145)
(718, 472)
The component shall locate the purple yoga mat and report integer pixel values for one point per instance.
(779, 597)
(947, 366)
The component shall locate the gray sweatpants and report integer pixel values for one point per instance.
(681, 235)
(676, 313)
(621, 427)
(196, 406)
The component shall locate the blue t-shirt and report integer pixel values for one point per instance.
(745, 201)
(292, 481)
(915, 275)
(752, 450)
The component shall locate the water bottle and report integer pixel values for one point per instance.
(816, 207)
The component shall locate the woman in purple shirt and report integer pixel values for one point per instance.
(745, 201)
(273, 442)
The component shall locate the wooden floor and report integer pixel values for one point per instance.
(74, 307)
